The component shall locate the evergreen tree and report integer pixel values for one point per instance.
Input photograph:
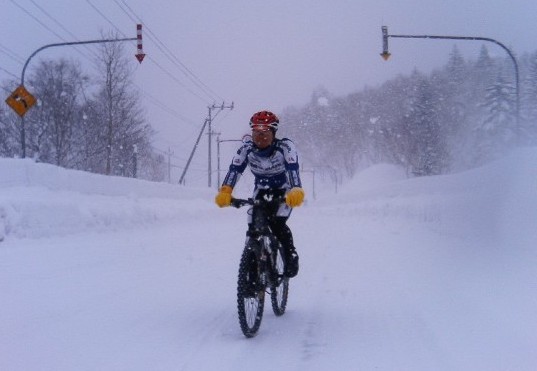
(483, 72)
(530, 102)
(426, 151)
(496, 131)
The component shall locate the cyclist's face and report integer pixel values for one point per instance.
(262, 138)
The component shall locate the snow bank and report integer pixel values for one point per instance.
(487, 202)
(38, 200)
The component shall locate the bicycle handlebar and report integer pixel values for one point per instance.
(240, 202)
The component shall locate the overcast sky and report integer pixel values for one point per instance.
(257, 54)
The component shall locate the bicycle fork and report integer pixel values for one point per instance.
(261, 247)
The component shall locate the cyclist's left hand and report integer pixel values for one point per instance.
(294, 197)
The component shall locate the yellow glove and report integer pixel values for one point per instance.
(294, 197)
(223, 198)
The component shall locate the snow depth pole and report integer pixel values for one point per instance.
(385, 54)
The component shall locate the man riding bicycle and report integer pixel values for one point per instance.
(274, 163)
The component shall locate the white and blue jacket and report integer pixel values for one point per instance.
(275, 167)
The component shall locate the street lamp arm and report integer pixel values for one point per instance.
(460, 38)
(68, 43)
(385, 54)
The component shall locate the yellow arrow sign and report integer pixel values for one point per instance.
(385, 55)
(21, 100)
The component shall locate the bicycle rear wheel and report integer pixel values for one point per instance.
(250, 293)
(279, 288)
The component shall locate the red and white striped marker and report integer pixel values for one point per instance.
(140, 56)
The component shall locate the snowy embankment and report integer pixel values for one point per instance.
(496, 201)
(39, 200)
(42, 200)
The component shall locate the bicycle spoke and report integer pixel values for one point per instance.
(250, 300)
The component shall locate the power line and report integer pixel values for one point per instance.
(59, 24)
(153, 100)
(11, 54)
(171, 56)
(43, 24)
(174, 78)
(37, 20)
(104, 16)
(9, 73)
(165, 108)
(64, 29)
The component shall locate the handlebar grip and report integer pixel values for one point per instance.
(238, 202)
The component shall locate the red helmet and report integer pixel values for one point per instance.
(264, 120)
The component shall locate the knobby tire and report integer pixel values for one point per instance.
(279, 288)
(250, 294)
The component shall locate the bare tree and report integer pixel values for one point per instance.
(59, 86)
(9, 132)
(116, 111)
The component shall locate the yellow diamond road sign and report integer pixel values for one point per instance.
(21, 100)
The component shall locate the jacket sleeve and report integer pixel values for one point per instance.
(238, 164)
(291, 162)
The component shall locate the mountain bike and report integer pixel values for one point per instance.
(261, 268)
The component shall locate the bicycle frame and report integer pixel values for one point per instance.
(268, 265)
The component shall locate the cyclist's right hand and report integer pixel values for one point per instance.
(223, 198)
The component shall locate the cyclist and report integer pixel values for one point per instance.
(274, 163)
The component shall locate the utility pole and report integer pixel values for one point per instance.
(210, 133)
(218, 141)
(135, 161)
(207, 122)
(169, 153)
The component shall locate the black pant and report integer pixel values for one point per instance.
(283, 233)
(278, 224)
(281, 230)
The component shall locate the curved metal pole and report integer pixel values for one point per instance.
(69, 43)
(517, 79)
(385, 36)
(23, 130)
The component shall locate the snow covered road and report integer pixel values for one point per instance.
(391, 279)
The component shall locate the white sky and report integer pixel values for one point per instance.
(258, 54)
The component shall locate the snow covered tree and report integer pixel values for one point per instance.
(9, 130)
(496, 130)
(116, 114)
(530, 102)
(456, 71)
(483, 71)
(426, 143)
(59, 86)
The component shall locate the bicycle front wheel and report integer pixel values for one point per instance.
(279, 288)
(250, 293)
